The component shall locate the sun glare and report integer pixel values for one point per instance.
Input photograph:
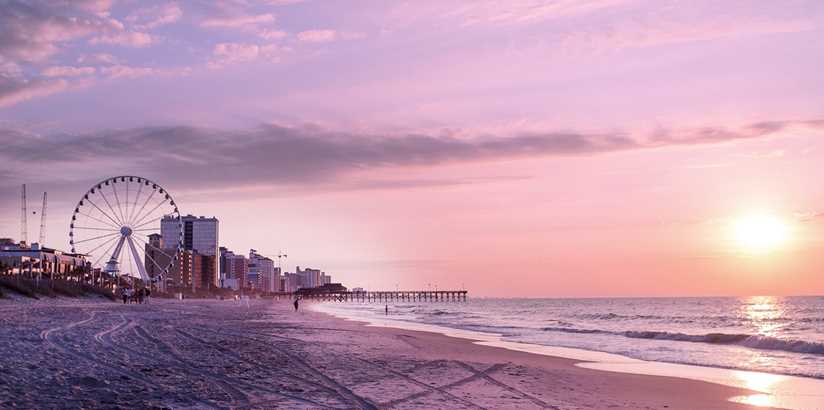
(760, 233)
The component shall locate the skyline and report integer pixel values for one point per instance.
(566, 148)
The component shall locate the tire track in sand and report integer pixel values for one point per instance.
(342, 390)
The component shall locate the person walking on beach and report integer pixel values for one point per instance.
(146, 294)
(296, 304)
(387, 309)
(124, 294)
(140, 294)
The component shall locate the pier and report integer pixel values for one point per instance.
(384, 296)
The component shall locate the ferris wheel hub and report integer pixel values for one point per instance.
(126, 231)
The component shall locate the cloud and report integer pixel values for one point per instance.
(269, 34)
(125, 38)
(809, 216)
(130, 72)
(232, 53)
(99, 58)
(155, 16)
(317, 36)
(277, 155)
(15, 90)
(67, 71)
(32, 31)
(493, 13)
(652, 31)
(304, 154)
(282, 2)
(242, 21)
(712, 135)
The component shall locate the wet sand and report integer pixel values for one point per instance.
(220, 354)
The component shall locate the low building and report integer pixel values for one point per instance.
(20, 258)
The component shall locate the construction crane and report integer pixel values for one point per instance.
(43, 222)
(23, 221)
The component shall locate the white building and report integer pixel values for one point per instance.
(200, 234)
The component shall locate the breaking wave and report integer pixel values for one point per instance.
(751, 341)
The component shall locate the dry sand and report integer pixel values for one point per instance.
(218, 354)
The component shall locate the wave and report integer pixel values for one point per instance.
(751, 341)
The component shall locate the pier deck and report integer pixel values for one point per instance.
(387, 296)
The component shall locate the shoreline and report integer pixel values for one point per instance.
(765, 389)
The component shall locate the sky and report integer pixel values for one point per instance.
(566, 148)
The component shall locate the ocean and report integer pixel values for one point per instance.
(779, 335)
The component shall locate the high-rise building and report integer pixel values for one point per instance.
(200, 234)
(325, 279)
(292, 282)
(310, 278)
(262, 269)
(192, 270)
(234, 268)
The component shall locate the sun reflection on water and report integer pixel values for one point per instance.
(763, 312)
(760, 382)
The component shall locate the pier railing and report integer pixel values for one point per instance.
(387, 296)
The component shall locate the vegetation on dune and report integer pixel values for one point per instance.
(18, 285)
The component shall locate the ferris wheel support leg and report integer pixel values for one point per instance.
(140, 268)
(112, 265)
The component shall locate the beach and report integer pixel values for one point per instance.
(65, 353)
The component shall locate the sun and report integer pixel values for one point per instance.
(760, 233)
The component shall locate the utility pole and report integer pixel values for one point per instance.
(23, 214)
(42, 240)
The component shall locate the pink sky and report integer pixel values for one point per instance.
(524, 148)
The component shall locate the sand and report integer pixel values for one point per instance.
(65, 353)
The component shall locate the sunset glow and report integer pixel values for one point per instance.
(598, 147)
(412, 204)
(761, 233)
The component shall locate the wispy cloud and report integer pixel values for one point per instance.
(155, 16)
(15, 90)
(313, 155)
(652, 31)
(68, 71)
(242, 21)
(125, 38)
(492, 12)
(317, 36)
(125, 71)
(225, 54)
(32, 31)
(326, 36)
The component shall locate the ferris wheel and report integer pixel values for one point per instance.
(117, 225)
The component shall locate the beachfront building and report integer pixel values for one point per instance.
(325, 279)
(200, 235)
(191, 271)
(309, 278)
(291, 282)
(35, 260)
(263, 270)
(234, 270)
